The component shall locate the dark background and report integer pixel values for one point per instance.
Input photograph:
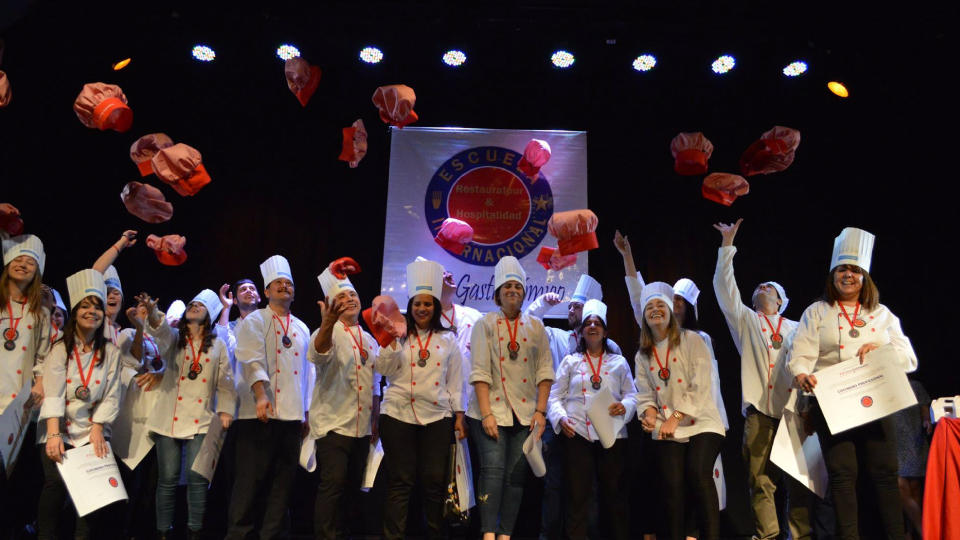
(882, 160)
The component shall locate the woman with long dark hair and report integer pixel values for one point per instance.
(422, 404)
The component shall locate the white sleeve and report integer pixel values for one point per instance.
(251, 351)
(908, 357)
(558, 393)
(805, 350)
(108, 408)
(728, 293)
(538, 308)
(635, 289)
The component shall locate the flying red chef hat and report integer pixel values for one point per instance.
(143, 149)
(384, 320)
(169, 249)
(773, 152)
(343, 267)
(146, 202)
(574, 230)
(103, 106)
(454, 235)
(395, 103)
(690, 153)
(302, 78)
(354, 144)
(550, 259)
(535, 156)
(724, 188)
(181, 167)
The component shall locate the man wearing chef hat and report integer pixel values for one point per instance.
(274, 391)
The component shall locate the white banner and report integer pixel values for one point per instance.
(473, 175)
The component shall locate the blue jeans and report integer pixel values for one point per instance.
(169, 452)
(503, 470)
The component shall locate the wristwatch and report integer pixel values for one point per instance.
(678, 415)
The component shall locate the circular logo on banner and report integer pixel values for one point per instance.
(484, 187)
(866, 401)
(113, 482)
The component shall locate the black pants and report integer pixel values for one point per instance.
(587, 462)
(341, 460)
(415, 454)
(686, 473)
(19, 494)
(106, 522)
(140, 520)
(267, 458)
(872, 448)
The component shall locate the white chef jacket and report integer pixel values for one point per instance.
(32, 345)
(513, 383)
(462, 318)
(185, 407)
(287, 374)
(687, 390)
(562, 342)
(61, 378)
(573, 391)
(343, 397)
(422, 395)
(715, 379)
(823, 338)
(765, 382)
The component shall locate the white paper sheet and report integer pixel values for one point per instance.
(91, 481)
(798, 455)
(533, 450)
(374, 457)
(464, 474)
(851, 394)
(205, 464)
(129, 435)
(606, 426)
(720, 481)
(308, 453)
(13, 428)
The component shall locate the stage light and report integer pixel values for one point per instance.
(644, 62)
(838, 89)
(562, 59)
(286, 52)
(454, 58)
(204, 53)
(723, 64)
(371, 55)
(795, 68)
(121, 64)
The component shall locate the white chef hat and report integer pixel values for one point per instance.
(508, 268)
(781, 292)
(211, 301)
(274, 268)
(689, 291)
(595, 307)
(175, 311)
(58, 300)
(331, 285)
(424, 277)
(853, 246)
(86, 283)
(112, 279)
(587, 288)
(25, 244)
(657, 289)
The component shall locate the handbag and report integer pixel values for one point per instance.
(453, 510)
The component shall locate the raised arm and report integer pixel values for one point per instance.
(633, 279)
(127, 239)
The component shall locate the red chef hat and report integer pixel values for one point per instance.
(146, 202)
(535, 156)
(773, 152)
(143, 149)
(574, 230)
(343, 267)
(169, 249)
(302, 78)
(395, 103)
(103, 106)
(354, 144)
(724, 188)
(454, 235)
(10, 220)
(550, 259)
(384, 320)
(690, 153)
(181, 166)
(5, 93)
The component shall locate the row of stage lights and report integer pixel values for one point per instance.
(561, 59)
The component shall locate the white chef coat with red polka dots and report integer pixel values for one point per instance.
(61, 378)
(287, 374)
(463, 318)
(185, 407)
(688, 388)
(421, 395)
(30, 347)
(573, 391)
(513, 383)
(346, 384)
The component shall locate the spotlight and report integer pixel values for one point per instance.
(644, 62)
(454, 58)
(121, 64)
(795, 68)
(838, 89)
(204, 53)
(723, 64)
(371, 55)
(286, 52)
(562, 59)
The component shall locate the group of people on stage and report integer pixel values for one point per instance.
(448, 373)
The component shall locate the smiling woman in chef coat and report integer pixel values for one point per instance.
(511, 377)
(580, 377)
(196, 389)
(848, 323)
(82, 396)
(422, 403)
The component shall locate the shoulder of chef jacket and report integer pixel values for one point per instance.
(62, 377)
(823, 337)
(185, 406)
(687, 390)
(421, 394)
(573, 390)
(286, 373)
(31, 346)
(346, 383)
(513, 383)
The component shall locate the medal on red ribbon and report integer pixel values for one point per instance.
(664, 372)
(83, 391)
(285, 340)
(452, 318)
(10, 334)
(359, 343)
(855, 322)
(776, 338)
(595, 379)
(513, 346)
(424, 353)
(195, 367)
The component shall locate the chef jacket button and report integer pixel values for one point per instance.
(411, 364)
(764, 329)
(521, 323)
(841, 328)
(412, 400)
(68, 381)
(359, 408)
(523, 400)
(358, 367)
(436, 383)
(674, 358)
(434, 402)
(29, 327)
(873, 329)
(769, 346)
(294, 334)
(679, 380)
(771, 365)
(606, 372)
(196, 421)
(67, 402)
(584, 390)
(175, 418)
(501, 359)
(179, 398)
(98, 381)
(14, 396)
(199, 401)
(68, 422)
(203, 380)
(295, 354)
(524, 380)
(19, 372)
(24, 348)
(498, 398)
(359, 388)
(841, 346)
(588, 422)
(503, 378)
(207, 360)
(524, 339)
(658, 389)
(278, 351)
(278, 332)
(692, 421)
(501, 339)
(278, 390)
(438, 364)
(414, 383)
(769, 386)
(651, 368)
(295, 372)
(664, 407)
(278, 370)
(524, 359)
(182, 378)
